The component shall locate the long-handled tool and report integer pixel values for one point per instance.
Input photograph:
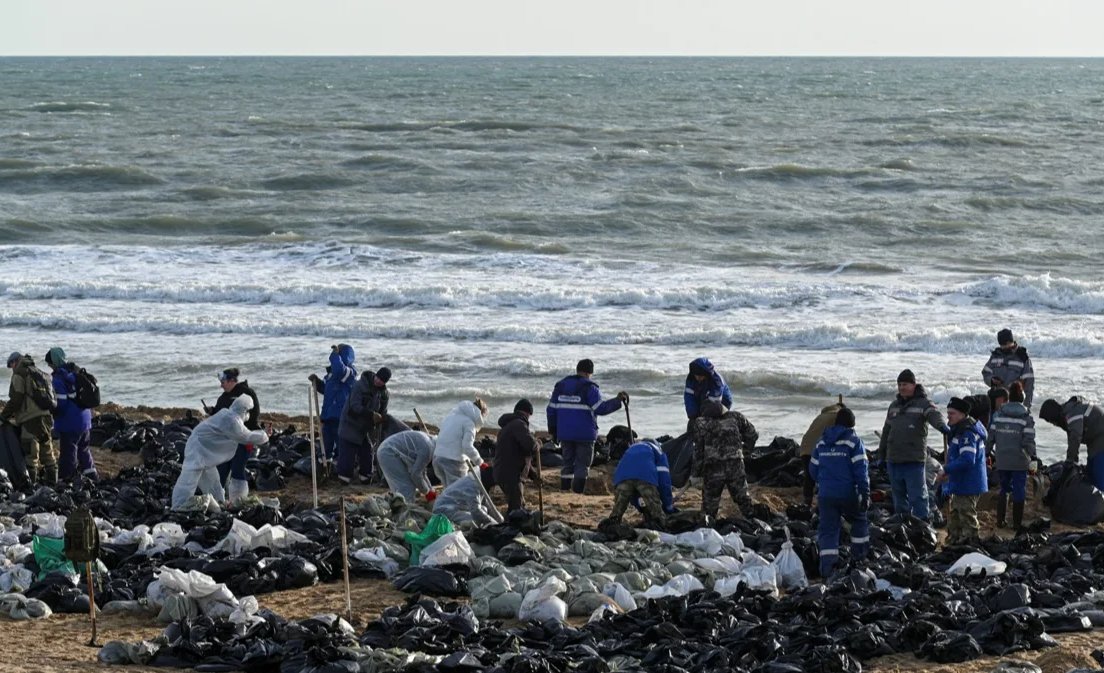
(628, 422)
(540, 487)
(312, 400)
(495, 514)
(345, 562)
(425, 428)
(91, 605)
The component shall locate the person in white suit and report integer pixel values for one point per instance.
(212, 443)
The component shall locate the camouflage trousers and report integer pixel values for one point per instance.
(962, 524)
(721, 474)
(631, 489)
(38, 446)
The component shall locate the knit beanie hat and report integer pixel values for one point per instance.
(845, 417)
(712, 409)
(384, 374)
(15, 357)
(524, 405)
(1005, 337)
(959, 404)
(906, 376)
(55, 357)
(1051, 411)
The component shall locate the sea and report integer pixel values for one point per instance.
(478, 225)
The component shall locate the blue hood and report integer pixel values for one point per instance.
(348, 355)
(836, 432)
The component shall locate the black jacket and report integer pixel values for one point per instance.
(237, 391)
(516, 448)
(366, 399)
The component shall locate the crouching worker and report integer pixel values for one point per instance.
(1083, 422)
(839, 466)
(404, 457)
(964, 472)
(465, 501)
(514, 455)
(212, 443)
(720, 439)
(643, 478)
(1012, 436)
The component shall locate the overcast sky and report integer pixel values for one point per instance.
(560, 27)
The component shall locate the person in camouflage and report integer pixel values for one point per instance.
(720, 439)
(643, 479)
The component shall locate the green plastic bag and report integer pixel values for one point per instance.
(437, 526)
(49, 554)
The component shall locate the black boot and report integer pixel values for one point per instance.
(1017, 517)
(48, 474)
(565, 484)
(1002, 511)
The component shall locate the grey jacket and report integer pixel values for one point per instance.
(1084, 425)
(905, 433)
(1009, 367)
(1012, 436)
(357, 417)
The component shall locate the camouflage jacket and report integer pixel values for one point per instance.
(721, 439)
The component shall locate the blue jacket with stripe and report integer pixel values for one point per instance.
(645, 461)
(839, 464)
(338, 383)
(574, 409)
(69, 416)
(965, 468)
(713, 388)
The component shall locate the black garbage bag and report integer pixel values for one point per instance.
(1072, 498)
(915, 633)
(295, 572)
(271, 478)
(60, 594)
(460, 661)
(515, 554)
(950, 647)
(12, 460)
(613, 531)
(680, 458)
(430, 581)
(868, 642)
(1008, 632)
(1011, 597)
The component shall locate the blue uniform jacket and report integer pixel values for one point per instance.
(574, 409)
(965, 468)
(713, 388)
(839, 464)
(338, 383)
(69, 417)
(645, 461)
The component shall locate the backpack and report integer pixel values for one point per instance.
(88, 388)
(82, 538)
(40, 390)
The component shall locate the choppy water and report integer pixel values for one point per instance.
(479, 225)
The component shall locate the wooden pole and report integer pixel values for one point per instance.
(345, 563)
(425, 428)
(312, 400)
(91, 605)
(540, 487)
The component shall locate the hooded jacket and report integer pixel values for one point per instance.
(1009, 367)
(516, 448)
(338, 382)
(357, 418)
(839, 464)
(905, 433)
(644, 461)
(1084, 425)
(712, 389)
(574, 408)
(463, 501)
(823, 421)
(965, 468)
(456, 440)
(216, 439)
(227, 398)
(1012, 437)
(20, 408)
(69, 418)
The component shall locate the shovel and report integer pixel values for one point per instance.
(540, 489)
(312, 400)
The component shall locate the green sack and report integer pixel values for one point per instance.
(437, 526)
(49, 554)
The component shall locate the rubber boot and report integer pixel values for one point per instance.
(565, 484)
(49, 473)
(1002, 511)
(1017, 517)
(578, 486)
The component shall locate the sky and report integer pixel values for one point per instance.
(562, 27)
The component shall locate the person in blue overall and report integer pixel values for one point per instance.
(839, 466)
(573, 412)
(335, 387)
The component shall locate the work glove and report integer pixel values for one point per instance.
(623, 396)
(864, 502)
(696, 482)
(1033, 466)
(946, 430)
(313, 378)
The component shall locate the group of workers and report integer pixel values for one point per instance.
(996, 425)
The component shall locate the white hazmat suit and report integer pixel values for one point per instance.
(212, 443)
